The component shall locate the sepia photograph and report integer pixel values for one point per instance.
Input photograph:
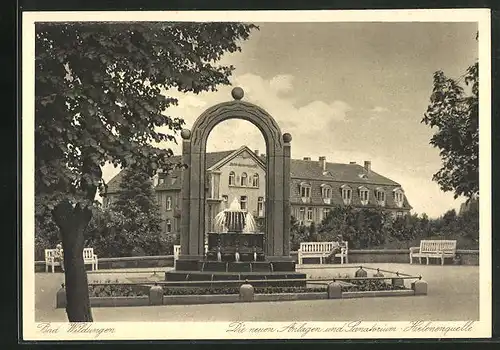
(256, 175)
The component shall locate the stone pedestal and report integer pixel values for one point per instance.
(419, 287)
(334, 291)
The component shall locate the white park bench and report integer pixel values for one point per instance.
(440, 249)
(177, 252)
(88, 258)
(322, 250)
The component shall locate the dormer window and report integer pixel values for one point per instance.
(244, 178)
(326, 193)
(346, 194)
(398, 197)
(305, 192)
(231, 179)
(255, 180)
(380, 196)
(364, 195)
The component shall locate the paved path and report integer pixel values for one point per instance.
(453, 295)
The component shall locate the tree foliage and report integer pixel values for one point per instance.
(298, 234)
(455, 114)
(133, 222)
(101, 92)
(374, 228)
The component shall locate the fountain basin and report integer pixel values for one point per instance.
(228, 243)
(231, 279)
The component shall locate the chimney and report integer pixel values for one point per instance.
(368, 165)
(307, 158)
(352, 162)
(256, 152)
(322, 163)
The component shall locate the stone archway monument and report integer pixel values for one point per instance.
(194, 181)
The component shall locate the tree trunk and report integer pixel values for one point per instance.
(72, 222)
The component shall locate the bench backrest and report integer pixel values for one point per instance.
(88, 253)
(438, 246)
(319, 247)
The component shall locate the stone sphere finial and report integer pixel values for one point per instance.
(287, 137)
(186, 134)
(237, 93)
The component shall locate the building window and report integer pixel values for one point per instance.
(309, 214)
(364, 195)
(169, 203)
(231, 179)
(380, 196)
(399, 214)
(255, 180)
(326, 211)
(260, 206)
(302, 215)
(399, 197)
(244, 179)
(243, 202)
(305, 192)
(224, 200)
(161, 181)
(169, 226)
(346, 195)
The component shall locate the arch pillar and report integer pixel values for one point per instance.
(194, 181)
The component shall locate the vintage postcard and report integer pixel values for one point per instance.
(256, 175)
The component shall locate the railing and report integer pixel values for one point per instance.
(326, 281)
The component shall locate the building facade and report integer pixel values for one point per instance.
(316, 187)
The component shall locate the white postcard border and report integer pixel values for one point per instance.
(219, 330)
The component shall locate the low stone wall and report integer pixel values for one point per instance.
(247, 294)
(468, 257)
(123, 263)
(401, 256)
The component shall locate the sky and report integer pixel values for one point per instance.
(347, 91)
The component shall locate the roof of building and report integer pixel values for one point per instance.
(211, 159)
(299, 169)
(355, 173)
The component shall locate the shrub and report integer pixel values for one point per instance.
(116, 289)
